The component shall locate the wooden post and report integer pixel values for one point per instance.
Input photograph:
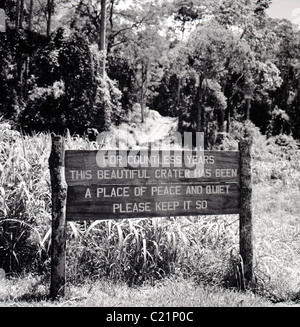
(246, 232)
(59, 194)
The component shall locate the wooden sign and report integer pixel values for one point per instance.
(164, 183)
(126, 184)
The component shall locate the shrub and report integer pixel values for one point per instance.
(24, 213)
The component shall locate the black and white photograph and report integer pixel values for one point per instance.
(149, 157)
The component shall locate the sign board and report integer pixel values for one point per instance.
(131, 184)
(126, 184)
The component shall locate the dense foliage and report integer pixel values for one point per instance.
(64, 65)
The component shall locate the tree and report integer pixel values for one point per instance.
(137, 35)
(286, 56)
(191, 11)
(250, 85)
(67, 90)
(210, 50)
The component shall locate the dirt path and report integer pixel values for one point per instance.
(152, 130)
(162, 129)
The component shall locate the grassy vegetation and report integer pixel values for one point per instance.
(170, 292)
(187, 261)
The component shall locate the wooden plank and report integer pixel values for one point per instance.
(218, 166)
(59, 195)
(156, 200)
(246, 228)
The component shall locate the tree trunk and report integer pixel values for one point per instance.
(248, 107)
(228, 116)
(27, 59)
(111, 14)
(144, 87)
(18, 58)
(200, 109)
(199, 115)
(21, 14)
(142, 108)
(30, 16)
(50, 5)
(178, 105)
(103, 36)
(221, 119)
(17, 14)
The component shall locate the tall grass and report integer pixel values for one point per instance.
(24, 198)
(132, 251)
(135, 251)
